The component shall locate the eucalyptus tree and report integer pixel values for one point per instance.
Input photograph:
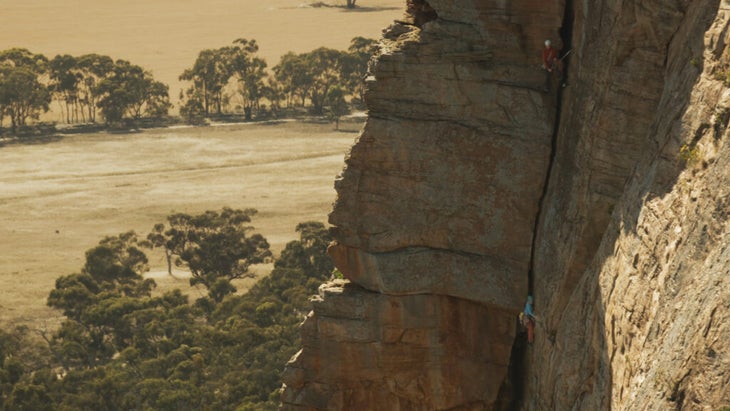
(96, 300)
(292, 74)
(324, 68)
(337, 104)
(23, 93)
(215, 246)
(129, 92)
(64, 84)
(210, 74)
(355, 65)
(75, 80)
(121, 347)
(249, 72)
(94, 68)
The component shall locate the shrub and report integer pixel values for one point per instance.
(689, 153)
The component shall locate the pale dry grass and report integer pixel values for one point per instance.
(60, 198)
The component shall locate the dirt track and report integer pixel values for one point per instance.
(59, 198)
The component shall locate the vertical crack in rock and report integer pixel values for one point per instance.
(514, 385)
(566, 33)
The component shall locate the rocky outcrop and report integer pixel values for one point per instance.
(441, 190)
(470, 186)
(365, 350)
(436, 209)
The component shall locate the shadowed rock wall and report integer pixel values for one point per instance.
(631, 262)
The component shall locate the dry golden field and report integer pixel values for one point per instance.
(59, 198)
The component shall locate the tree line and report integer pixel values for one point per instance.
(230, 79)
(120, 347)
(235, 75)
(84, 87)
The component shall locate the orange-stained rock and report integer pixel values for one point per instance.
(366, 350)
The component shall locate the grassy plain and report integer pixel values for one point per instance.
(59, 198)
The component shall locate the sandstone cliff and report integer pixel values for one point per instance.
(470, 187)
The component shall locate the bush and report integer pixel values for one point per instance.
(122, 348)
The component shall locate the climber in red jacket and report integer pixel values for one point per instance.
(550, 57)
(550, 62)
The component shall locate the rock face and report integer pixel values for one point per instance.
(631, 249)
(365, 350)
(441, 190)
(471, 186)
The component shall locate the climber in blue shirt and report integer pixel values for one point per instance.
(528, 319)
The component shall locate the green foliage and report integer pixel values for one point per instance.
(297, 78)
(25, 372)
(313, 74)
(123, 92)
(121, 348)
(309, 253)
(65, 84)
(720, 123)
(29, 397)
(210, 74)
(337, 274)
(74, 82)
(214, 246)
(355, 65)
(324, 68)
(93, 69)
(192, 109)
(689, 153)
(22, 94)
(337, 104)
(113, 269)
(292, 76)
(129, 92)
(724, 76)
(249, 71)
